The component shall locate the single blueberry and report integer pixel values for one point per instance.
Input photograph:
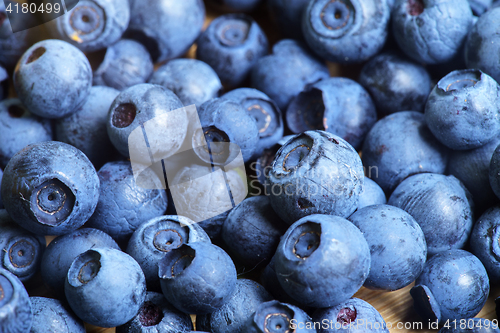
(431, 31)
(337, 105)
(441, 205)
(123, 205)
(231, 45)
(316, 172)
(302, 270)
(484, 242)
(397, 246)
(157, 315)
(266, 113)
(453, 285)
(276, 317)
(16, 314)
(53, 78)
(395, 83)
(86, 128)
(19, 128)
(125, 64)
(232, 316)
(462, 110)
(401, 145)
(192, 80)
(160, 235)
(197, 278)
(346, 31)
(50, 188)
(285, 73)
(483, 44)
(61, 252)
(348, 316)
(252, 231)
(167, 28)
(92, 24)
(105, 287)
(21, 250)
(51, 315)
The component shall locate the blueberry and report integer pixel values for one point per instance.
(53, 78)
(125, 64)
(19, 128)
(346, 31)
(302, 270)
(483, 44)
(193, 81)
(232, 316)
(197, 278)
(494, 171)
(92, 24)
(462, 109)
(231, 45)
(471, 167)
(441, 205)
(157, 236)
(266, 114)
(337, 105)
(225, 121)
(167, 28)
(252, 231)
(123, 205)
(476, 325)
(395, 83)
(86, 128)
(206, 195)
(349, 316)
(133, 108)
(287, 14)
(105, 287)
(21, 250)
(431, 31)
(157, 315)
(372, 194)
(276, 317)
(50, 188)
(285, 73)
(397, 246)
(391, 154)
(61, 252)
(51, 315)
(235, 5)
(484, 242)
(315, 173)
(15, 307)
(453, 285)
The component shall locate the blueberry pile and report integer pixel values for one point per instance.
(367, 134)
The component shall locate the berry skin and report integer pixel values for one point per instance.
(16, 314)
(105, 287)
(197, 278)
(92, 24)
(51, 315)
(61, 252)
(52, 78)
(125, 64)
(372, 194)
(50, 188)
(453, 285)
(231, 45)
(306, 276)
(346, 32)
